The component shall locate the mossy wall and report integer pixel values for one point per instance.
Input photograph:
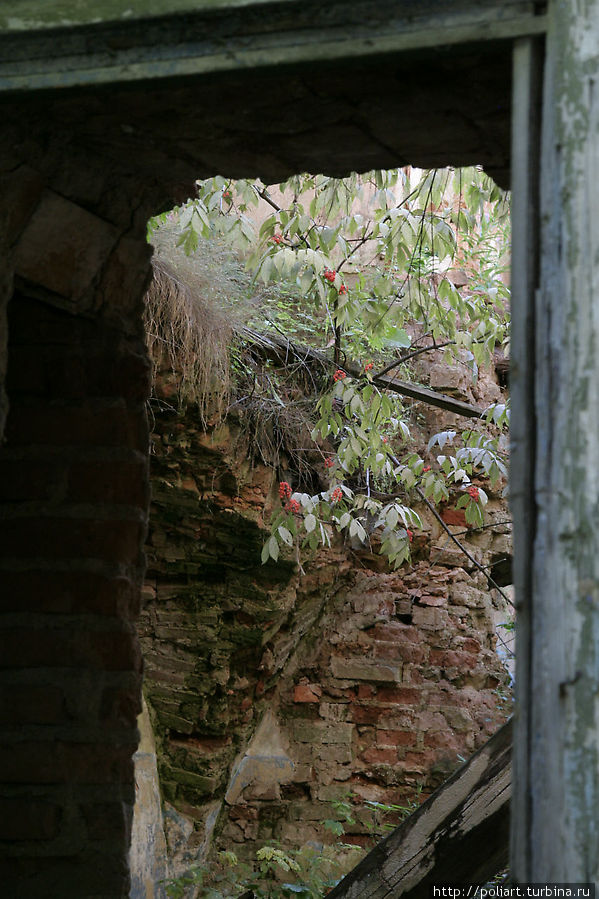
(274, 692)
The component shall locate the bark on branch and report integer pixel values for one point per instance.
(282, 350)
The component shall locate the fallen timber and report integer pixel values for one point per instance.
(459, 835)
(280, 349)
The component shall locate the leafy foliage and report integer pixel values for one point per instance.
(363, 267)
(307, 873)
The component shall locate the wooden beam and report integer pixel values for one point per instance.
(41, 53)
(459, 835)
(526, 104)
(283, 350)
(556, 837)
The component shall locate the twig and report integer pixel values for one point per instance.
(460, 546)
(425, 349)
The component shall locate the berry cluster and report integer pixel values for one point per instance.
(426, 468)
(227, 195)
(336, 495)
(284, 490)
(339, 375)
(474, 494)
(343, 289)
(330, 275)
(277, 238)
(293, 506)
(410, 534)
(369, 366)
(328, 463)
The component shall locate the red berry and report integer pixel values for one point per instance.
(339, 375)
(426, 468)
(343, 289)
(284, 490)
(336, 495)
(410, 535)
(330, 275)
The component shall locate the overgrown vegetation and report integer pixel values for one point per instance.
(360, 268)
(290, 309)
(307, 873)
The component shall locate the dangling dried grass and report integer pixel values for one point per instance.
(190, 317)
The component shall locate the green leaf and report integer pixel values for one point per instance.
(273, 548)
(285, 535)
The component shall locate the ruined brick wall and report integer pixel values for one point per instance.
(274, 693)
(73, 513)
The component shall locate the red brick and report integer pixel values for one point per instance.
(421, 762)
(69, 648)
(366, 691)
(31, 703)
(123, 483)
(32, 480)
(452, 659)
(376, 756)
(454, 516)
(395, 738)
(121, 706)
(68, 592)
(126, 374)
(358, 839)
(399, 695)
(57, 762)
(91, 424)
(307, 693)
(395, 631)
(442, 740)
(65, 538)
(28, 819)
(409, 652)
(106, 820)
(471, 645)
(386, 650)
(433, 600)
(366, 714)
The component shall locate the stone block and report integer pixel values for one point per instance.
(361, 669)
(466, 595)
(334, 753)
(200, 783)
(333, 711)
(63, 247)
(322, 732)
(430, 618)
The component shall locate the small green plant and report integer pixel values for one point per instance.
(312, 872)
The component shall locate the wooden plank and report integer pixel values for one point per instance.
(282, 350)
(524, 277)
(560, 773)
(230, 37)
(459, 835)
